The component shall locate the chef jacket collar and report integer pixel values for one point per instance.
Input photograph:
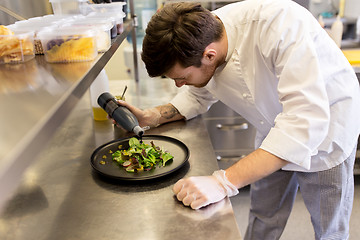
(228, 29)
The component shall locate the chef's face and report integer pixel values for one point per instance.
(193, 76)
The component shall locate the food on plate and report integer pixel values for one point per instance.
(141, 156)
(15, 47)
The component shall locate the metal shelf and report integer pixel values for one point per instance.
(35, 98)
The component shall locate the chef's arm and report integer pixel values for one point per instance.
(253, 167)
(201, 191)
(168, 113)
(153, 117)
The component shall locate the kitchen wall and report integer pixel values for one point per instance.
(24, 8)
(319, 6)
(352, 8)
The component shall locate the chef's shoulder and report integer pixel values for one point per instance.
(268, 13)
(285, 14)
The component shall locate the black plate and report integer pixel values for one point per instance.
(112, 169)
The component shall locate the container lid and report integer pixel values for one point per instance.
(20, 34)
(34, 24)
(101, 16)
(66, 31)
(58, 1)
(28, 28)
(91, 23)
(107, 7)
(110, 5)
(115, 15)
(11, 26)
(61, 18)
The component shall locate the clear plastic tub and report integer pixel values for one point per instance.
(119, 22)
(59, 19)
(102, 28)
(68, 45)
(16, 47)
(35, 26)
(48, 20)
(114, 9)
(38, 24)
(108, 7)
(63, 7)
(117, 17)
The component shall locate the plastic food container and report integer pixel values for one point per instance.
(16, 48)
(38, 24)
(47, 20)
(68, 45)
(63, 7)
(114, 10)
(108, 7)
(34, 26)
(102, 28)
(119, 18)
(59, 19)
(105, 17)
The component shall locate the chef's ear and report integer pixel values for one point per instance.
(209, 54)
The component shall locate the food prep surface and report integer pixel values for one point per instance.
(35, 98)
(62, 197)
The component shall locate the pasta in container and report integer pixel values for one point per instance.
(15, 47)
(68, 45)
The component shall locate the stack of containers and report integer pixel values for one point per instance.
(81, 39)
(114, 10)
(104, 18)
(101, 84)
(68, 35)
(65, 44)
(36, 25)
(68, 7)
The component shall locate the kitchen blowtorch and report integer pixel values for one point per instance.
(120, 114)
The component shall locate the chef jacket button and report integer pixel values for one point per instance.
(262, 122)
(244, 95)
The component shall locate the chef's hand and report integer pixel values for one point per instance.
(148, 117)
(198, 192)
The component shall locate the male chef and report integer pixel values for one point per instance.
(271, 62)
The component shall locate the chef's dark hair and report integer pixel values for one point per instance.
(179, 32)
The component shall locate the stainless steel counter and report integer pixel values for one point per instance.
(60, 197)
(35, 98)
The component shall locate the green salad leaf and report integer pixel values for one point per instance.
(141, 156)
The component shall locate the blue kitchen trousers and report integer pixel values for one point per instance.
(328, 196)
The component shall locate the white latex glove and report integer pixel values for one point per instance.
(198, 192)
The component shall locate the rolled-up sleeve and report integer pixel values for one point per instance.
(193, 101)
(304, 121)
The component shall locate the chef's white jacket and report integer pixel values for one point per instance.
(287, 77)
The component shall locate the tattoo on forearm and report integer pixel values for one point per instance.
(168, 111)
